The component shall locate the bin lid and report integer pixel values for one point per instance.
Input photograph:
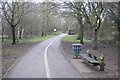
(76, 44)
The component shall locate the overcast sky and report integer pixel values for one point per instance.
(60, 0)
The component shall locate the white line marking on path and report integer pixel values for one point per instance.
(46, 62)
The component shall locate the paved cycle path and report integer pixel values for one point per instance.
(45, 60)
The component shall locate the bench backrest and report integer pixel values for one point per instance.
(95, 55)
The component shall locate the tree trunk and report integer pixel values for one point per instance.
(31, 34)
(42, 34)
(80, 31)
(2, 34)
(118, 24)
(43, 31)
(18, 34)
(13, 35)
(22, 32)
(2, 37)
(95, 40)
(81, 34)
(78, 36)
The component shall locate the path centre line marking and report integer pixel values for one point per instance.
(46, 61)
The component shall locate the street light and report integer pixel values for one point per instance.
(55, 30)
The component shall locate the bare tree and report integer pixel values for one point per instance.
(93, 12)
(12, 13)
(75, 7)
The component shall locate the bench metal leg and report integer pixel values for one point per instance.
(101, 68)
(76, 57)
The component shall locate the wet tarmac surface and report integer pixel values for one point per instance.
(44, 61)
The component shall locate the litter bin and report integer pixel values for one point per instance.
(76, 49)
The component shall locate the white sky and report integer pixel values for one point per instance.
(59, 0)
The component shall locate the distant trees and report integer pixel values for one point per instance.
(28, 19)
(48, 11)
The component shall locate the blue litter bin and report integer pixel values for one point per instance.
(76, 49)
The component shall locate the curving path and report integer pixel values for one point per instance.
(44, 61)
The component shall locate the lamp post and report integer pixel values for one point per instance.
(55, 30)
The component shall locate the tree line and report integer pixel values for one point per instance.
(28, 19)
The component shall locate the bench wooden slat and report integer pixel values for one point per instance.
(95, 58)
(91, 60)
(94, 53)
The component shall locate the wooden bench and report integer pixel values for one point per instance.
(94, 58)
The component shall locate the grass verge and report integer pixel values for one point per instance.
(37, 39)
(73, 38)
(33, 39)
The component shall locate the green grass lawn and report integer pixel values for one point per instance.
(73, 38)
(34, 39)
(37, 39)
